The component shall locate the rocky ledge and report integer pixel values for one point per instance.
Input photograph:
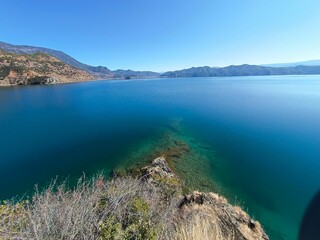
(230, 221)
(39, 80)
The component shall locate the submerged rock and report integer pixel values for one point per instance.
(158, 167)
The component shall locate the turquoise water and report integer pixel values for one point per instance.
(257, 138)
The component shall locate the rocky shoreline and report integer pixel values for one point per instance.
(231, 220)
(151, 204)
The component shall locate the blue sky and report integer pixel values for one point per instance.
(165, 35)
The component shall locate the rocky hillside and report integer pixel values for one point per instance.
(24, 49)
(37, 68)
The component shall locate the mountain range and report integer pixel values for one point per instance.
(23, 57)
(242, 70)
(98, 72)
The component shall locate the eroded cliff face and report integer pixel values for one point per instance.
(39, 68)
(204, 213)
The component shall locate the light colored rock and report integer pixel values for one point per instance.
(159, 167)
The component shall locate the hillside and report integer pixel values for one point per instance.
(24, 49)
(242, 70)
(37, 68)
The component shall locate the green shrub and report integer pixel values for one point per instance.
(4, 72)
(170, 187)
(135, 223)
(140, 225)
(110, 229)
(13, 216)
(17, 68)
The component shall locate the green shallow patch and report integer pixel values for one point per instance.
(190, 158)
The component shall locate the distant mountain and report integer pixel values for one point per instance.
(99, 72)
(134, 74)
(37, 68)
(242, 70)
(294, 64)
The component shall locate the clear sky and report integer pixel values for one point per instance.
(165, 35)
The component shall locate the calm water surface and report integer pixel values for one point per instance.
(264, 132)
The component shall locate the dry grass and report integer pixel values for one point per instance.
(198, 229)
(123, 208)
(200, 223)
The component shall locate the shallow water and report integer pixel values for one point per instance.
(254, 139)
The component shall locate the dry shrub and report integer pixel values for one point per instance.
(123, 208)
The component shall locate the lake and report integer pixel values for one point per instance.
(256, 140)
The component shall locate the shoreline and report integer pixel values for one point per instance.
(76, 81)
(150, 78)
(152, 204)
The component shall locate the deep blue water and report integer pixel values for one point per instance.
(264, 132)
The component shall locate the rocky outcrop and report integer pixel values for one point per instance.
(158, 168)
(39, 80)
(231, 221)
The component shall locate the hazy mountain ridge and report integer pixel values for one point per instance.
(242, 70)
(134, 74)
